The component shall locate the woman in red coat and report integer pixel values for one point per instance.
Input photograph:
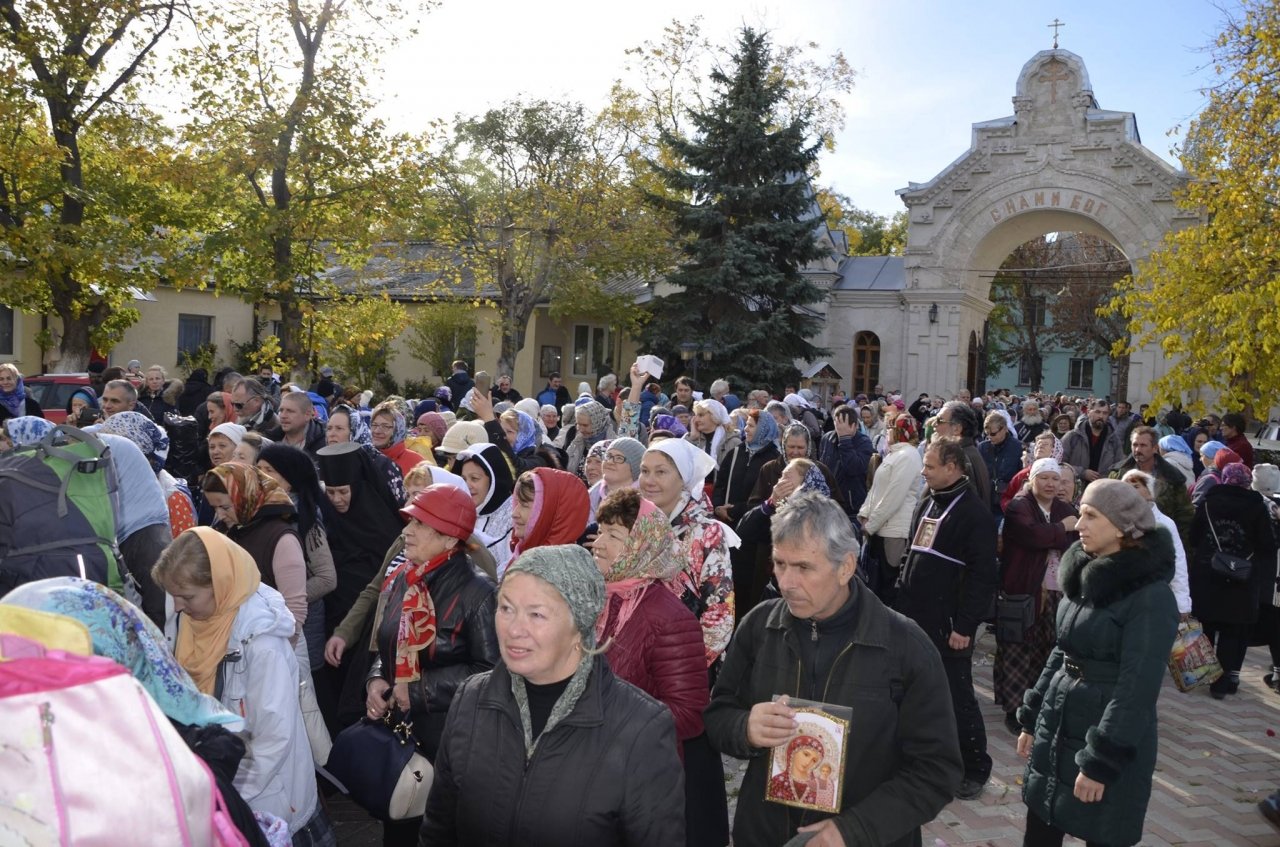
(1038, 527)
(654, 642)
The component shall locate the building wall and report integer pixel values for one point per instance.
(1055, 375)
(153, 340)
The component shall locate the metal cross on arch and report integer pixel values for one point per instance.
(1055, 26)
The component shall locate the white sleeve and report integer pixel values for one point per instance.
(1181, 587)
(269, 707)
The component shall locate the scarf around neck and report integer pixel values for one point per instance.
(417, 615)
(16, 400)
(648, 556)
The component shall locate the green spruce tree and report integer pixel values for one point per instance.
(745, 219)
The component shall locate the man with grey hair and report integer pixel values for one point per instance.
(830, 639)
(118, 396)
(254, 410)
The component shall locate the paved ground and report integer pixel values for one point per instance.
(1217, 760)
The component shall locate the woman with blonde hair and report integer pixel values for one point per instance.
(15, 402)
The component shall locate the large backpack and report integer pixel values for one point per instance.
(58, 502)
(88, 758)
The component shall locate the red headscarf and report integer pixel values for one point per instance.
(560, 511)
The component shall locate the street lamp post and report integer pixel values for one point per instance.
(691, 351)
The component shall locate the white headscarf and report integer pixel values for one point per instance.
(795, 401)
(234, 432)
(694, 464)
(1045, 465)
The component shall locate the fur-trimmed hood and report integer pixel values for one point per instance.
(1101, 581)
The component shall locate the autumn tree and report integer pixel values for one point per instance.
(1209, 295)
(745, 219)
(868, 233)
(281, 104)
(79, 151)
(536, 203)
(356, 331)
(442, 332)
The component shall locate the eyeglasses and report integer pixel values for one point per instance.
(615, 459)
(995, 431)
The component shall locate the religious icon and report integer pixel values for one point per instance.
(925, 533)
(808, 770)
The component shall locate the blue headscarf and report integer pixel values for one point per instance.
(122, 633)
(141, 430)
(1175, 444)
(766, 433)
(16, 400)
(27, 429)
(815, 481)
(1190, 436)
(671, 424)
(87, 393)
(527, 435)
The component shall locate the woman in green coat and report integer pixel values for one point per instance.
(1089, 724)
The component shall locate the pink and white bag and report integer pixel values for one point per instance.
(87, 758)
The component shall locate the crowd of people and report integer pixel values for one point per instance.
(572, 605)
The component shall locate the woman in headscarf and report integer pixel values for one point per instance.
(222, 609)
(347, 424)
(14, 399)
(82, 398)
(593, 467)
(428, 434)
(1232, 518)
(1196, 437)
(594, 424)
(1175, 451)
(154, 444)
(671, 475)
(388, 432)
(434, 627)
(566, 754)
(1038, 528)
(254, 511)
(489, 480)
(549, 507)
(655, 643)
(296, 475)
(119, 631)
(734, 484)
(26, 430)
(713, 432)
(1046, 445)
(1089, 725)
(620, 469)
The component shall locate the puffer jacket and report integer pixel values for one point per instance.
(466, 642)
(660, 651)
(1097, 713)
(606, 776)
(902, 760)
(259, 680)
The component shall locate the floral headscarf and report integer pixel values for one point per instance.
(815, 481)
(766, 433)
(599, 449)
(27, 429)
(249, 489)
(671, 425)
(647, 556)
(141, 430)
(122, 633)
(528, 434)
(434, 423)
(1237, 473)
(399, 429)
(600, 422)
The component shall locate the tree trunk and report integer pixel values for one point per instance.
(1120, 390)
(67, 291)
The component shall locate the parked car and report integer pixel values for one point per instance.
(53, 391)
(1266, 443)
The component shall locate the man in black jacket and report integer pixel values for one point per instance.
(948, 584)
(830, 639)
(299, 426)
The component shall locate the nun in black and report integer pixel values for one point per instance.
(490, 482)
(367, 524)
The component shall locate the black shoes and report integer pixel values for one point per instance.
(1272, 682)
(1270, 809)
(971, 789)
(1224, 686)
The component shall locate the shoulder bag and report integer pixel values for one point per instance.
(1231, 567)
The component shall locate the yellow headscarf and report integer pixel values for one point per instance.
(201, 645)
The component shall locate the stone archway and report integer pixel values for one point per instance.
(1059, 163)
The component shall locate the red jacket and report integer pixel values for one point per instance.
(1240, 444)
(660, 651)
(1028, 538)
(404, 458)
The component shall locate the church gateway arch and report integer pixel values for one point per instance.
(1058, 164)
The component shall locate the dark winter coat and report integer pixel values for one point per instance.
(1243, 524)
(1117, 620)
(737, 476)
(952, 587)
(459, 383)
(661, 652)
(1003, 462)
(848, 457)
(902, 760)
(466, 643)
(31, 408)
(314, 439)
(194, 392)
(605, 776)
(1028, 538)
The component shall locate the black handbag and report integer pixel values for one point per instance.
(1015, 613)
(1228, 565)
(379, 766)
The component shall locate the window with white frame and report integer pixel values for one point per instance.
(591, 347)
(1080, 374)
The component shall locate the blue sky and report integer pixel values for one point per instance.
(927, 69)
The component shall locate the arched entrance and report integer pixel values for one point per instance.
(1059, 164)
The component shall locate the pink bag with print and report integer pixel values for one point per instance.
(87, 758)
